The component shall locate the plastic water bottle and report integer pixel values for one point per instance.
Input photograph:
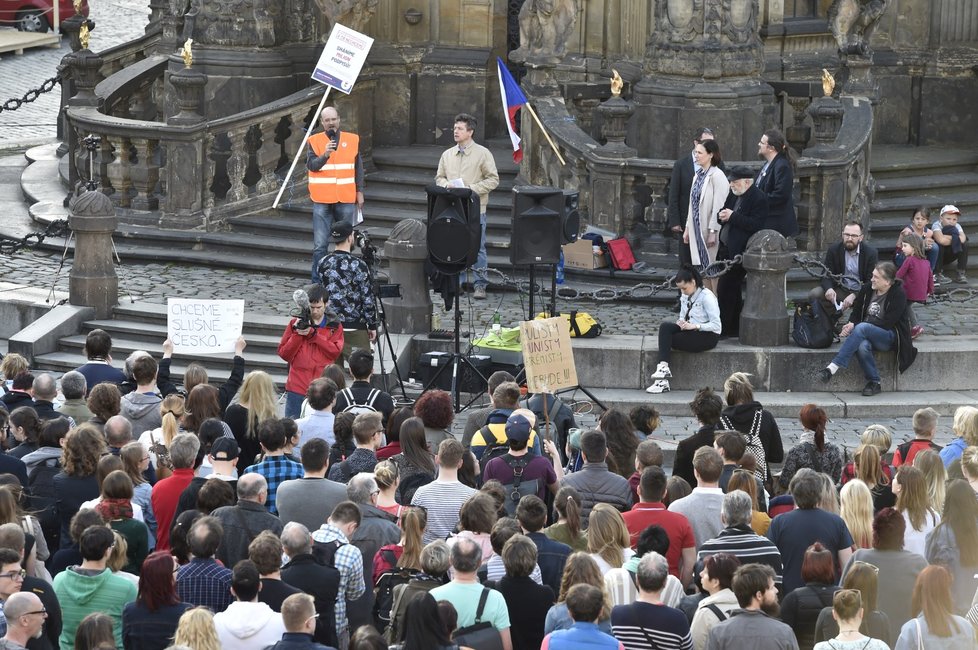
(496, 324)
(435, 320)
(560, 269)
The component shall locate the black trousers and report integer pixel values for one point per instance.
(672, 337)
(730, 296)
(948, 255)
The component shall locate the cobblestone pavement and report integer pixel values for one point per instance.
(116, 21)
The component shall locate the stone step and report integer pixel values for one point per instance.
(898, 161)
(902, 207)
(937, 184)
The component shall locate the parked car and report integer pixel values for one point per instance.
(35, 15)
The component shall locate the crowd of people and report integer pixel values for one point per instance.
(141, 515)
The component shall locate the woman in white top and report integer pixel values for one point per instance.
(913, 502)
(706, 198)
(716, 577)
(607, 538)
(697, 330)
(847, 610)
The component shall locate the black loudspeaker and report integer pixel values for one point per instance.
(454, 231)
(572, 217)
(537, 225)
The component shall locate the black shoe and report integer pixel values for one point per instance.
(825, 375)
(872, 388)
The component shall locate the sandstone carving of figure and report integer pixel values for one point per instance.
(350, 13)
(853, 23)
(545, 26)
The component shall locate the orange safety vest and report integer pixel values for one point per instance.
(336, 182)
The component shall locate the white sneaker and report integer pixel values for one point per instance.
(662, 371)
(659, 386)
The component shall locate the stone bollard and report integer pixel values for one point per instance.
(407, 250)
(764, 320)
(92, 281)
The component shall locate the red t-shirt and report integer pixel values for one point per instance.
(643, 515)
(164, 498)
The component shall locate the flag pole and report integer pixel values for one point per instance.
(553, 145)
(302, 145)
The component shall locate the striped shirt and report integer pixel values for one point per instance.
(746, 545)
(442, 500)
(644, 626)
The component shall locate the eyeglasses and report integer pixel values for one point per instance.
(846, 235)
(316, 615)
(13, 575)
(40, 611)
(875, 568)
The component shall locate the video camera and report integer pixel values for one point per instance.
(361, 238)
(302, 312)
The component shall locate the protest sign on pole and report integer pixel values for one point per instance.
(204, 326)
(547, 355)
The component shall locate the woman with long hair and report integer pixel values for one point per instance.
(716, 578)
(965, 428)
(76, 483)
(423, 626)
(257, 402)
(196, 630)
(407, 552)
(135, 461)
(619, 431)
(343, 434)
(862, 578)
(847, 610)
(954, 542)
(95, 633)
(393, 432)
(203, 403)
(801, 606)
(857, 512)
(149, 622)
(812, 450)
(25, 427)
(880, 436)
(580, 568)
(935, 625)
(567, 528)
(116, 509)
(607, 538)
(706, 198)
(776, 181)
(745, 414)
(696, 330)
(920, 226)
(929, 462)
(179, 546)
(746, 481)
(387, 477)
(868, 470)
(157, 442)
(969, 467)
(913, 502)
(415, 457)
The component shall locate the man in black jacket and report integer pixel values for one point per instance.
(742, 216)
(304, 572)
(854, 260)
(680, 184)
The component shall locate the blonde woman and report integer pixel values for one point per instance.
(857, 512)
(880, 437)
(12, 365)
(196, 630)
(388, 479)
(935, 474)
(157, 442)
(969, 467)
(257, 402)
(830, 496)
(869, 469)
(579, 569)
(913, 502)
(607, 538)
(119, 558)
(965, 427)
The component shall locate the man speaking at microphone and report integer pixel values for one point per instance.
(335, 181)
(309, 344)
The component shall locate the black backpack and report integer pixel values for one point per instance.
(519, 488)
(42, 501)
(493, 449)
(325, 552)
(384, 590)
(812, 327)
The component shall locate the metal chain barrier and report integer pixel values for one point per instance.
(11, 245)
(31, 95)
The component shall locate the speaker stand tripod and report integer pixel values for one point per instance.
(457, 358)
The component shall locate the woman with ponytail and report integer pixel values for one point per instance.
(157, 441)
(567, 529)
(812, 450)
(406, 554)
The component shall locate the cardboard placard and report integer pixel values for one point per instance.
(547, 355)
(204, 326)
(342, 59)
(581, 255)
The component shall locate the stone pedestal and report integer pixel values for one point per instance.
(407, 249)
(182, 207)
(860, 81)
(827, 113)
(92, 281)
(764, 321)
(614, 114)
(188, 88)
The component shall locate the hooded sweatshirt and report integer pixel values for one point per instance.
(143, 410)
(81, 595)
(40, 456)
(247, 626)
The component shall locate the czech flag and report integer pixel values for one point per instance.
(513, 98)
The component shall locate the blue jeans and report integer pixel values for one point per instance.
(323, 217)
(863, 339)
(293, 404)
(482, 260)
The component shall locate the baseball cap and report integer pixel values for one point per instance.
(950, 209)
(340, 231)
(224, 449)
(518, 427)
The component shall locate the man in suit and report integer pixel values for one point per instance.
(742, 216)
(683, 172)
(854, 260)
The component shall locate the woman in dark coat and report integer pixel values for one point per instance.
(746, 415)
(801, 607)
(776, 179)
(879, 321)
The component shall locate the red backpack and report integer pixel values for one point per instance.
(620, 255)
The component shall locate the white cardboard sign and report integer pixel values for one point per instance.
(204, 326)
(342, 59)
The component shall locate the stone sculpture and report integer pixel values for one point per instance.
(545, 27)
(350, 13)
(853, 23)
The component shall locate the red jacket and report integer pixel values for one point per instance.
(164, 498)
(308, 355)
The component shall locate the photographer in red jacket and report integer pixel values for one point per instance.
(310, 343)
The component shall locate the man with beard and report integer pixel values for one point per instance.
(742, 216)
(854, 260)
(755, 625)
